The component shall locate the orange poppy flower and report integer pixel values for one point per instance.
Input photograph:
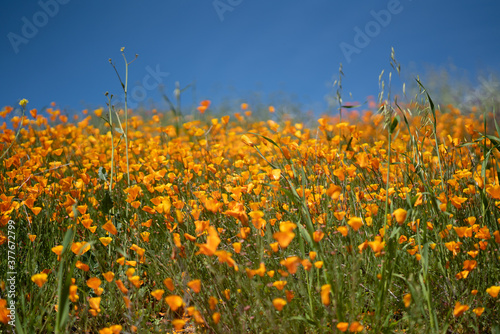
(39, 279)
(493, 291)
(157, 293)
(174, 302)
(169, 283)
(459, 309)
(279, 303)
(213, 242)
(355, 223)
(325, 294)
(195, 285)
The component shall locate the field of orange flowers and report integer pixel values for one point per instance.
(377, 222)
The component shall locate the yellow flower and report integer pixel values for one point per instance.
(105, 240)
(39, 279)
(23, 103)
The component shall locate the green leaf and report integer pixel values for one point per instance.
(394, 124)
(64, 282)
(106, 203)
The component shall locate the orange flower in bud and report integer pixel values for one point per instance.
(377, 245)
(110, 228)
(325, 294)
(213, 242)
(58, 250)
(355, 223)
(407, 299)
(493, 291)
(169, 283)
(279, 285)
(136, 281)
(93, 283)
(355, 327)
(279, 303)
(318, 235)
(237, 247)
(459, 309)
(39, 279)
(247, 141)
(478, 311)
(82, 266)
(195, 285)
(212, 301)
(174, 302)
(121, 286)
(284, 238)
(73, 289)
(493, 190)
(178, 324)
(157, 293)
(342, 326)
(216, 317)
(80, 248)
(109, 276)
(94, 304)
(105, 240)
(343, 230)
(400, 215)
(274, 246)
(275, 174)
(291, 263)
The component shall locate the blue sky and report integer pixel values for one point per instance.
(58, 50)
